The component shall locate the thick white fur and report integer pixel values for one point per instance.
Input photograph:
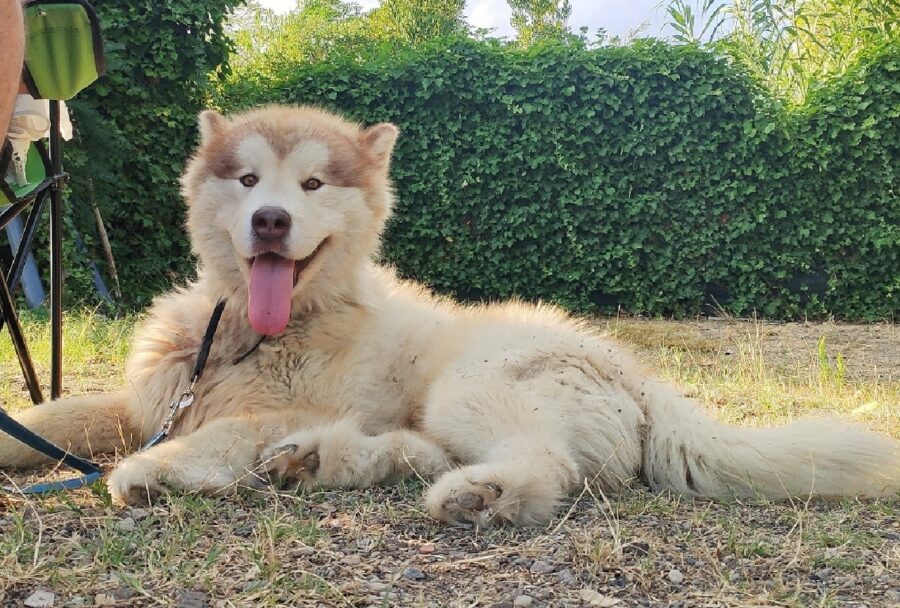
(508, 407)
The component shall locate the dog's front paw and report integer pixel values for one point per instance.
(338, 456)
(134, 482)
(287, 462)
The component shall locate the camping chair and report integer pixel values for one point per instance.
(63, 54)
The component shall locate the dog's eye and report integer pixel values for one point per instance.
(312, 184)
(248, 180)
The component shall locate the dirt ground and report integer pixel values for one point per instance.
(870, 352)
(377, 548)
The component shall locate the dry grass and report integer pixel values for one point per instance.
(376, 548)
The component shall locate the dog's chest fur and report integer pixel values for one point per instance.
(326, 365)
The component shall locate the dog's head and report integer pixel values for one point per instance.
(287, 201)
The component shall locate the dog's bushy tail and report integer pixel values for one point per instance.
(686, 450)
(84, 426)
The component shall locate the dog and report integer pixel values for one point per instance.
(328, 370)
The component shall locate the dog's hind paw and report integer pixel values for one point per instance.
(456, 499)
(492, 493)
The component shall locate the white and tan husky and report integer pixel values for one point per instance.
(364, 378)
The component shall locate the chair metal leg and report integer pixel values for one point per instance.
(15, 271)
(18, 338)
(56, 230)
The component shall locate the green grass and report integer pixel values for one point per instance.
(95, 348)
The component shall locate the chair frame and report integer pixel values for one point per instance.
(51, 187)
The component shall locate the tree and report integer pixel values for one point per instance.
(266, 42)
(536, 20)
(418, 21)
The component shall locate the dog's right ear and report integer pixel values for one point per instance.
(212, 124)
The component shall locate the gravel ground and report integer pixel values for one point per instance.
(376, 548)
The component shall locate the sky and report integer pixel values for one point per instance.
(618, 17)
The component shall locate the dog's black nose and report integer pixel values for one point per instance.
(270, 223)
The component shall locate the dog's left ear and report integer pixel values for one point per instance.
(380, 140)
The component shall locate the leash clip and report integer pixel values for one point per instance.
(185, 400)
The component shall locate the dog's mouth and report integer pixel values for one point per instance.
(271, 284)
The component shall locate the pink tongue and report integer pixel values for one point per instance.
(271, 283)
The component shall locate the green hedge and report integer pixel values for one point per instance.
(135, 127)
(651, 178)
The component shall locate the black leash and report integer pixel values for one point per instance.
(249, 352)
(91, 471)
(186, 398)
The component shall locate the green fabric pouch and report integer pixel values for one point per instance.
(63, 48)
(35, 171)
